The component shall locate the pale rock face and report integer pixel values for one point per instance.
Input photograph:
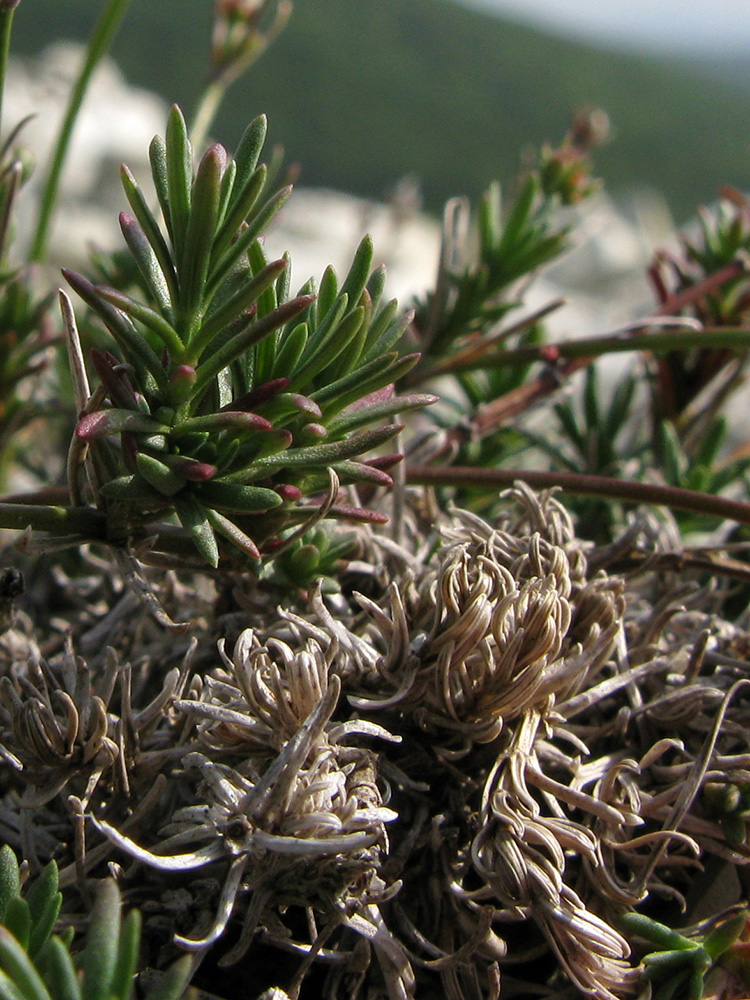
(115, 125)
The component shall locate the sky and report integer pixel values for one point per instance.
(711, 26)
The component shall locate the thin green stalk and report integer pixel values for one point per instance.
(57, 520)
(205, 113)
(470, 477)
(734, 339)
(6, 24)
(99, 44)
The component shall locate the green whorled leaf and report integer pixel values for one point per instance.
(99, 957)
(238, 210)
(360, 472)
(234, 420)
(366, 414)
(152, 233)
(283, 285)
(127, 957)
(252, 229)
(190, 469)
(151, 319)
(723, 937)
(157, 155)
(248, 152)
(114, 381)
(17, 919)
(179, 157)
(148, 264)
(158, 475)
(322, 351)
(233, 533)
(225, 194)
(387, 328)
(490, 220)
(316, 455)
(370, 378)
(211, 366)
(43, 891)
(194, 517)
(651, 930)
(172, 984)
(359, 272)
(240, 499)
(290, 350)
(258, 396)
(10, 877)
(131, 487)
(328, 291)
(134, 346)
(338, 512)
(42, 927)
(45, 901)
(376, 284)
(19, 968)
(102, 423)
(350, 360)
(200, 231)
(59, 971)
(228, 311)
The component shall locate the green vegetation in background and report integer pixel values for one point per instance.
(363, 93)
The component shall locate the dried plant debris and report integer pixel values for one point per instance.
(455, 784)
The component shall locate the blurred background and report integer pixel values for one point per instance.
(397, 105)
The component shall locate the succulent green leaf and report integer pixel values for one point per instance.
(241, 499)
(44, 923)
(18, 919)
(211, 366)
(238, 210)
(10, 877)
(338, 395)
(233, 533)
(59, 971)
(236, 420)
(199, 235)
(659, 934)
(9, 990)
(132, 487)
(114, 421)
(43, 891)
(148, 263)
(225, 194)
(19, 968)
(328, 291)
(143, 314)
(194, 518)
(228, 311)
(135, 347)
(157, 155)
(724, 936)
(367, 414)
(359, 272)
(376, 285)
(153, 235)
(158, 475)
(127, 957)
(99, 958)
(225, 261)
(172, 984)
(290, 350)
(321, 351)
(387, 329)
(248, 151)
(179, 157)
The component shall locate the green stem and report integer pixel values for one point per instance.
(6, 23)
(57, 520)
(470, 477)
(99, 44)
(205, 114)
(713, 338)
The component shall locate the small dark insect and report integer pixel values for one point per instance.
(11, 586)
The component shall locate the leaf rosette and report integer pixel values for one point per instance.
(233, 404)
